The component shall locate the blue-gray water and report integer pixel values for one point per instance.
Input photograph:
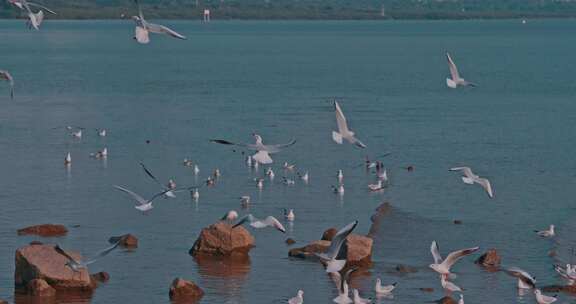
(230, 79)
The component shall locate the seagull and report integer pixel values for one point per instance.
(249, 161)
(471, 178)
(288, 166)
(263, 151)
(5, 75)
(382, 175)
(21, 3)
(335, 256)
(77, 134)
(230, 216)
(270, 173)
(245, 201)
(461, 301)
(340, 176)
(525, 280)
(305, 178)
(143, 28)
(358, 299)
(288, 181)
(171, 184)
(546, 233)
(299, 299)
(76, 265)
(289, 215)
(34, 19)
(342, 285)
(269, 221)
(187, 162)
(195, 194)
(543, 299)
(339, 189)
(568, 273)
(443, 266)
(343, 131)
(260, 183)
(167, 189)
(454, 81)
(376, 187)
(216, 173)
(449, 286)
(100, 154)
(383, 290)
(143, 205)
(101, 132)
(68, 159)
(196, 170)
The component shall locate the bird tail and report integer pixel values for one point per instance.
(337, 137)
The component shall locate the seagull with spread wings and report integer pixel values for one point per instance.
(455, 80)
(263, 151)
(144, 28)
(143, 204)
(269, 221)
(470, 178)
(343, 131)
(443, 266)
(336, 255)
(77, 265)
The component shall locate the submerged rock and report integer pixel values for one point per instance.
(126, 240)
(185, 291)
(447, 300)
(43, 262)
(45, 230)
(40, 288)
(221, 239)
(359, 250)
(376, 218)
(560, 288)
(290, 241)
(329, 234)
(405, 269)
(100, 277)
(489, 259)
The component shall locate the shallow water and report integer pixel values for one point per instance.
(230, 79)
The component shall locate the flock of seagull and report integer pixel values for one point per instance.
(336, 256)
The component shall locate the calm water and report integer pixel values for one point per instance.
(277, 78)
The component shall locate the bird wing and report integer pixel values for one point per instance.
(42, 7)
(356, 141)
(465, 170)
(149, 173)
(135, 196)
(160, 29)
(102, 253)
(276, 148)
(338, 240)
(485, 183)
(435, 253)
(340, 119)
(272, 221)
(65, 254)
(453, 69)
(522, 275)
(248, 218)
(453, 257)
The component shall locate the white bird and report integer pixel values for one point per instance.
(20, 4)
(340, 176)
(245, 201)
(171, 184)
(543, 299)
(449, 286)
(168, 190)
(196, 170)
(471, 178)
(68, 159)
(270, 173)
(339, 189)
(546, 233)
(216, 173)
(342, 285)
(263, 151)
(195, 194)
(298, 299)
(525, 280)
(443, 266)
(249, 161)
(336, 255)
(230, 216)
(5, 75)
(260, 183)
(288, 166)
(569, 273)
(34, 19)
(360, 300)
(455, 80)
(288, 181)
(305, 178)
(383, 290)
(289, 215)
(376, 187)
(77, 265)
(343, 131)
(461, 301)
(77, 134)
(382, 175)
(269, 221)
(143, 204)
(101, 132)
(102, 154)
(143, 28)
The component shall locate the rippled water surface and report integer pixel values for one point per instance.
(230, 79)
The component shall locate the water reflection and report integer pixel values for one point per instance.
(223, 275)
(62, 297)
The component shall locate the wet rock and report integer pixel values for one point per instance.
(489, 259)
(40, 288)
(185, 291)
(126, 240)
(36, 243)
(329, 234)
(405, 269)
(43, 262)
(290, 241)
(376, 218)
(100, 277)
(221, 240)
(427, 289)
(359, 250)
(559, 288)
(45, 230)
(447, 300)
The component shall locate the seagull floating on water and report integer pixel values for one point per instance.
(195, 194)
(568, 273)
(461, 301)
(443, 266)
(102, 154)
(270, 173)
(245, 201)
(101, 132)
(343, 131)
(5, 75)
(383, 290)
(68, 159)
(376, 187)
(305, 178)
(471, 178)
(298, 299)
(143, 28)
(289, 215)
(455, 80)
(335, 256)
(340, 176)
(76, 265)
(543, 299)
(288, 166)
(269, 221)
(342, 285)
(339, 189)
(358, 299)
(263, 151)
(546, 233)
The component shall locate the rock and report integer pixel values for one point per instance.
(221, 240)
(359, 250)
(36, 243)
(447, 300)
(46, 230)
(489, 259)
(376, 218)
(185, 291)
(43, 262)
(559, 288)
(3, 302)
(290, 241)
(405, 269)
(40, 288)
(126, 241)
(427, 289)
(100, 277)
(329, 234)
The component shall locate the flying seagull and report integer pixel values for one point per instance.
(5, 75)
(143, 28)
(34, 19)
(269, 221)
(343, 131)
(443, 266)
(168, 190)
(21, 3)
(143, 204)
(525, 280)
(263, 151)
(454, 81)
(335, 256)
(471, 178)
(76, 265)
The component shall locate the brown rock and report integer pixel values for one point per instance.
(43, 262)
(221, 240)
(36, 243)
(376, 218)
(427, 289)
(489, 259)
(290, 241)
(185, 291)
(39, 288)
(126, 241)
(405, 269)
(46, 230)
(447, 300)
(100, 277)
(329, 234)
(3, 302)
(359, 250)
(559, 288)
